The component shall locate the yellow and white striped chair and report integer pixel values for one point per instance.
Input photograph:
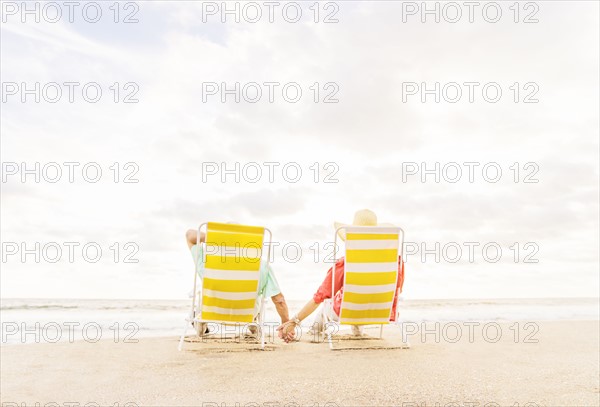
(231, 274)
(370, 275)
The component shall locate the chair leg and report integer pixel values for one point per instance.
(326, 329)
(261, 322)
(192, 315)
(190, 318)
(380, 331)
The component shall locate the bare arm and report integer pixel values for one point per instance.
(281, 307)
(308, 309)
(287, 330)
(191, 237)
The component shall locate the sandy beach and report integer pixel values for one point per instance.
(561, 369)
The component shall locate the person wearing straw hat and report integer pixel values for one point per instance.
(363, 217)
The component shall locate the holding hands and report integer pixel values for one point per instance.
(287, 330)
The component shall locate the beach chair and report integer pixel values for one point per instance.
(229, 286)
(370, 276)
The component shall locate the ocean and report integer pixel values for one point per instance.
(56, 320)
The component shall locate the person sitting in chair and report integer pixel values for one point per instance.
(286, 330)
(267, 283)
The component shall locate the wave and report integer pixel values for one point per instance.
(100, 305)
(22, 304)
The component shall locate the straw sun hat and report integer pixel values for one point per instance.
(363, 217)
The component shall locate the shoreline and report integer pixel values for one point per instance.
(409, 327)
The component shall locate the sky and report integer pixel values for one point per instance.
(376, 65)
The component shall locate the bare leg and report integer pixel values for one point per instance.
(253, 328)
(357, 330)
(319, 322)
(201, 328)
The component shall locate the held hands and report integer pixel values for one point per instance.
(287, 330)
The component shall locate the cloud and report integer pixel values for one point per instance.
(364, 59)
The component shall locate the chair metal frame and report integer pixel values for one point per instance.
(329, 303)
(191, 319)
